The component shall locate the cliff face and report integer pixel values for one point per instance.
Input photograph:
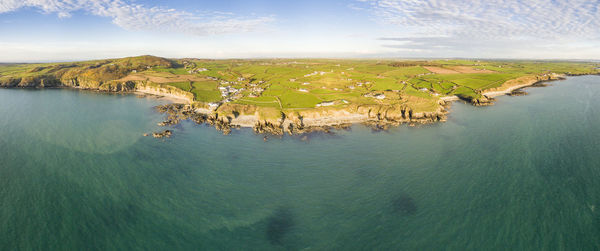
(86, 75)
(46, 81)
(322, 119)
(389, 114)
(30, 82)
(298, 122)
(97, 75)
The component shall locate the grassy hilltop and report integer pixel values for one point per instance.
(273, 85)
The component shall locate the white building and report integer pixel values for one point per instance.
(330, 103)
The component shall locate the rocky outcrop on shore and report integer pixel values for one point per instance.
(178, 112)
(518, 92)
(317, 120)
(482, 100)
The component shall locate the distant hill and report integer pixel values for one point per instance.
(144, 62)
(86, 74)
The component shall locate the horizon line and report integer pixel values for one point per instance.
(317, 58)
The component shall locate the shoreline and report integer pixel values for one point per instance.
(493, 94)
(529, 82)
(180, 107)
(324, 122)
(171, 98)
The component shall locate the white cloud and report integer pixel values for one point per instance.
(493, 18)
(139, 17)
(501, 25)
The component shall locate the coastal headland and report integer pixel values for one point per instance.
(296, 96)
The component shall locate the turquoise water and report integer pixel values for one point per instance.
(76, 174)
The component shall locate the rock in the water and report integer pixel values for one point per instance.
(164, 134)
(518, 92)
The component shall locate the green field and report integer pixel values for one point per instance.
(292, 84)
(206, 91)
(186, 86)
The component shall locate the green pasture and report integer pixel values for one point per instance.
(281, 81)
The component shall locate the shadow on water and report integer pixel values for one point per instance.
(404, 204)
(278, 225)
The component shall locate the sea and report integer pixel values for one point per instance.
(76, 173)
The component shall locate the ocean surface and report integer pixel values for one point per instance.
(77, 174)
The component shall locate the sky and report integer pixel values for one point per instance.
(64, 30)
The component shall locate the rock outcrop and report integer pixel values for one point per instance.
(294, 122)
(163, 134)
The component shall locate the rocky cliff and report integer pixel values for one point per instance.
(299, 122)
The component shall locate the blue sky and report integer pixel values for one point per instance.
(59, 30)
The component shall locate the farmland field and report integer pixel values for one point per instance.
(292, 84)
